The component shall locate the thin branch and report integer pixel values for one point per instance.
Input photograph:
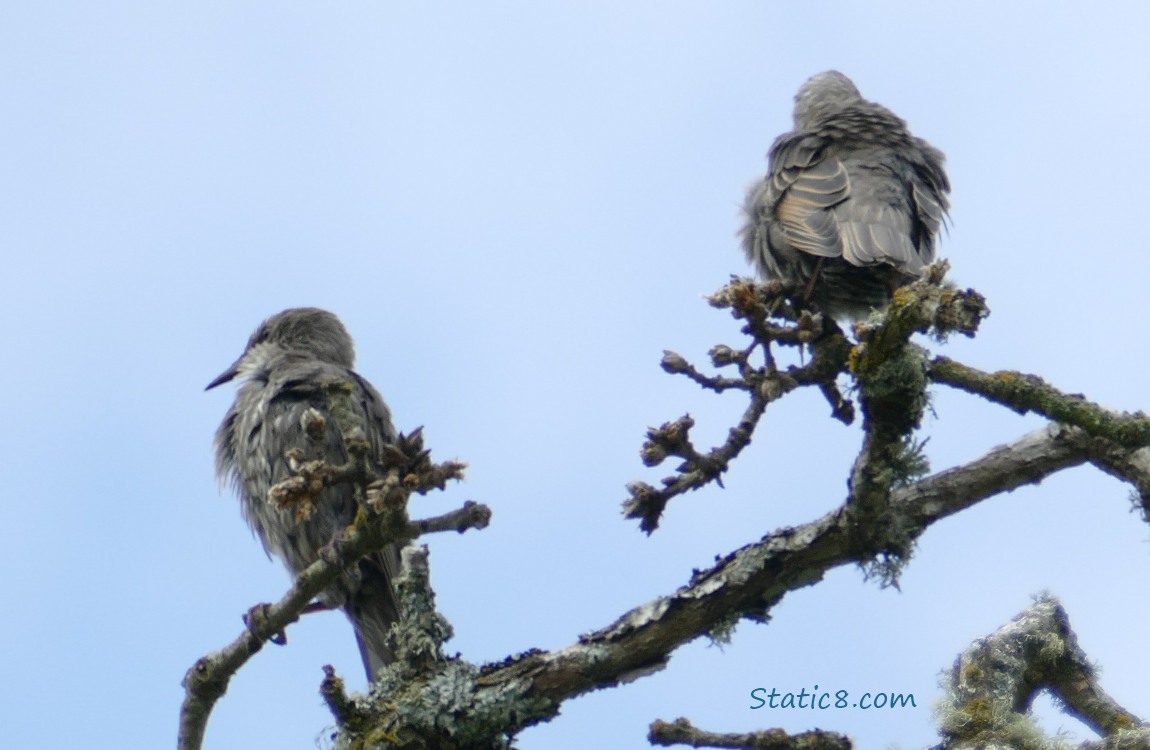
(207, 680)
(895, 400)
(1028, 460)
(675, 364)
(472, 515)
(682, 732)
(647, 503)
(1025, 393)
(752, 303)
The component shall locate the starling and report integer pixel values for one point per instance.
(287, 368)
(851, 205)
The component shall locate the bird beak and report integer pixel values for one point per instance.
(226, 375)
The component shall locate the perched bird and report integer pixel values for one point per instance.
(851, 204)
(286, 366)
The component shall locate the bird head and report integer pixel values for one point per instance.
(823, 94)
(304, 331)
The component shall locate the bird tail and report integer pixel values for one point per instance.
(853, 291)
(373, 608)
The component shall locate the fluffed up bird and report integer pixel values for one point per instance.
(851, 205)
(286, 366)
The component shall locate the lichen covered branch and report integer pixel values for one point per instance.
(682, 732)
(992, 684)
(891, 373)
(498, 700)
(1025, 393)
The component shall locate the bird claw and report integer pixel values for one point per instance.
(256, 621)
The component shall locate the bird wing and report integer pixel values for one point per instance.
(804, 184)
(871, 207)
(876, 223)
(929, 186)
(374, 606)
(368, 594)
(930, 207)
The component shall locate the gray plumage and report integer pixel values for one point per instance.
(851, 201)
(285, 367)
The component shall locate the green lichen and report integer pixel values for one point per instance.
(449, 709)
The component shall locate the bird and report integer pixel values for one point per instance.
(285, 368)
(851, 205)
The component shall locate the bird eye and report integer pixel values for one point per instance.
(258, 337)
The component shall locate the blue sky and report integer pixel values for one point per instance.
(515, 208)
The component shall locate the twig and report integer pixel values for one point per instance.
(753, 304)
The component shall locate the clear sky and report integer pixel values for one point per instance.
(515, 207)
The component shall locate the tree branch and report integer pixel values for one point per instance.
(407, 469)
(891, 376)
(682, 732)
(1024, 393)
(501, 699)
(1129, 466)
(993, 683)
(753, 304)
(435, 701)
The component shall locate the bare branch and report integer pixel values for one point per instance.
(682, 732)
(501, 699)
(647, 503)
(1028, 460)
(428, 700)
(207, 680)
(1025, 393)
(753, 304)
(892, 377)
(675, 364)
(472, 515)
